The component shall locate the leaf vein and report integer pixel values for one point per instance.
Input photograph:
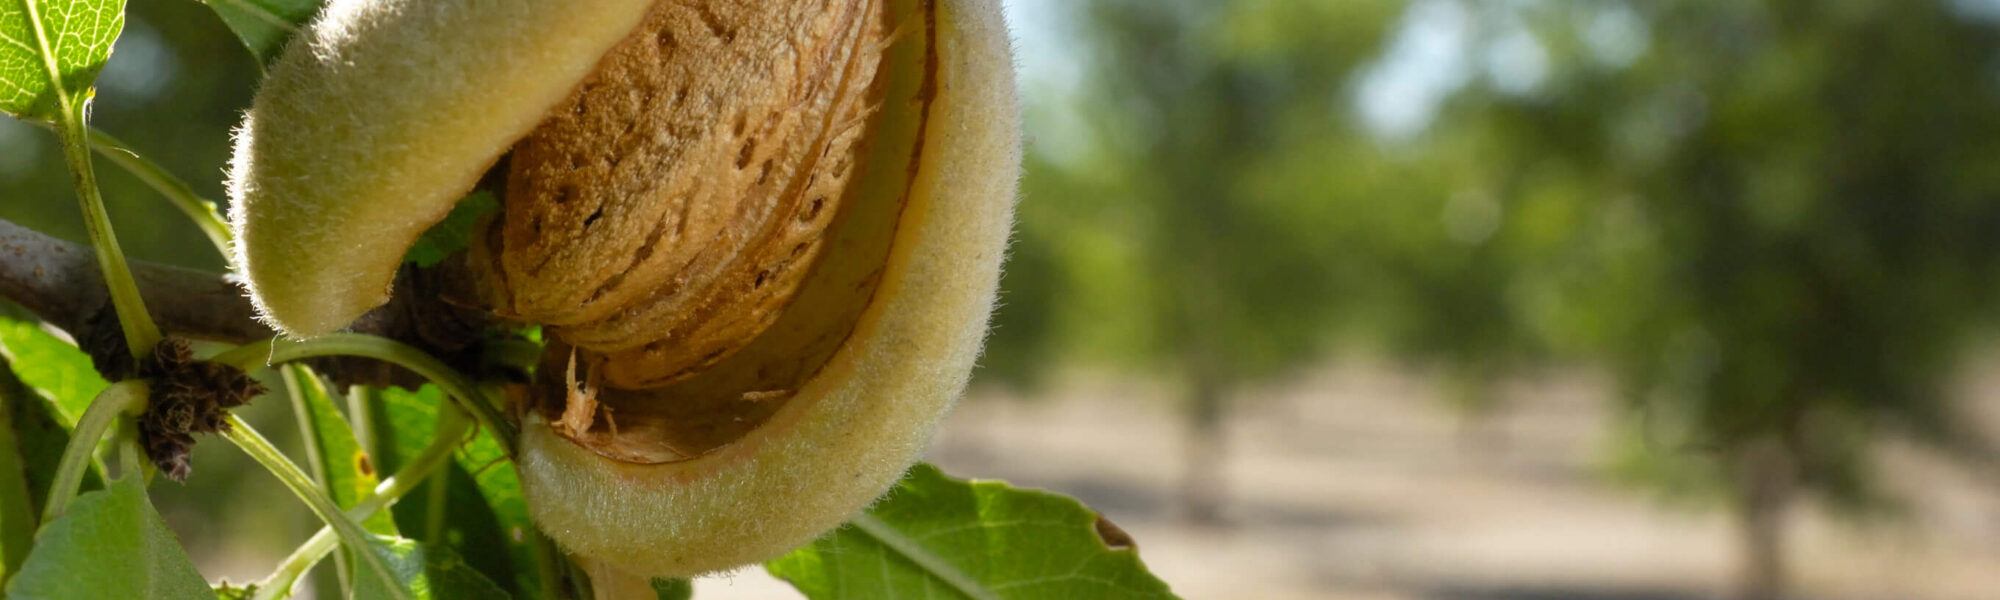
(908, 548)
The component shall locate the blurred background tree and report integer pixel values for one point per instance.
(1889, 152)
(1772, 222)
(1793, 208)
(1154, 225)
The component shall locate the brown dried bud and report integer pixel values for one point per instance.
(187, 397)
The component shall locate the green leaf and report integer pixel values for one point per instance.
(19, 514)
(334, 458)
(427, 572)
(111, 544)
(57, 369)
(454, 233)
(36, 428)
(485, 517)
(264, 25)
(40, 437)
(332, 454)
(935, 536)
(499, 485)
(673, 589)
(51, 52)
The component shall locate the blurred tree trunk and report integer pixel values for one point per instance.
(1481, 430)
(1211, 365)
(1764, 490)
(1203, 483)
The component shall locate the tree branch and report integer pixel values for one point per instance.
(59, 282)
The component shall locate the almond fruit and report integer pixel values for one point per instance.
(764, 237)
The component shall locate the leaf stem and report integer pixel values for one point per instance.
(140, 332)
(132, 460)
(199, 210)
(452, 427)
(125, 398)
(360, 419)
(439, 487)
(456, 385)
(347, 528)
(296, 378)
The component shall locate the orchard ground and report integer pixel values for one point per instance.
(1355, 482)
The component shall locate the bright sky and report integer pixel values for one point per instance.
(1044, 41)
(1425, 62)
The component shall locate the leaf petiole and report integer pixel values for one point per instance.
(348, 529)
(131, 454)
(455, 384)
(140, 332)
(199, 210)
(451, 431)
(296, 378)
(123, 399)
